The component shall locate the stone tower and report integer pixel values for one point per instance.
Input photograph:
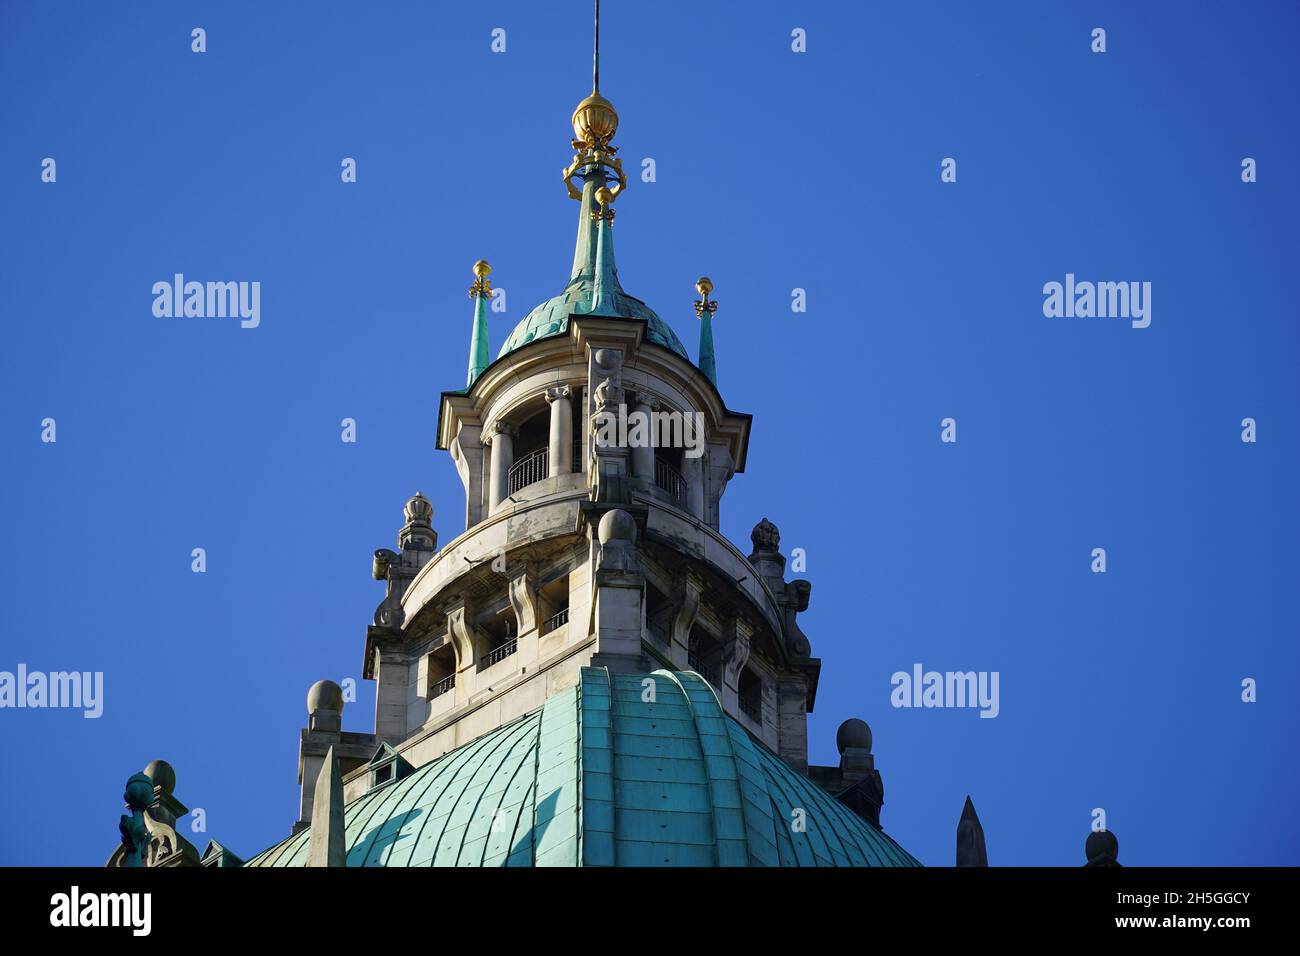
(594, 456)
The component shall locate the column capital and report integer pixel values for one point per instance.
(499, 428)
(557, 392)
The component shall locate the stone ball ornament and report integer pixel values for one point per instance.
(325, 695)
(616, 525)
(853, 733)
(1102, 845)
(162, 775)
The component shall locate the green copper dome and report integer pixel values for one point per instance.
(552, 318)
(599, 777)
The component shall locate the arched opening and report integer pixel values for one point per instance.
(750, 694)
(705, 655)
(553, 599)
(531, 458)
(442, 671)
(658, 615)
(498, 636)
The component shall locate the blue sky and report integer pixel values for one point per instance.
(775, 170)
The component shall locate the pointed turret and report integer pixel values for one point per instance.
(480, 292)
(970, 838)
(606, 276)
(704, 309)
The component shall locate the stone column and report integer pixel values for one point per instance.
(643, 453)
(560, 456)
(502, 442)
(619, 594)
(693, 475)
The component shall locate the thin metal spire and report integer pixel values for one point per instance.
(595, 56)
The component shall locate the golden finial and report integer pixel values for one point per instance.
(604, 196)
(595, 121)
(481, 286)
(704, 285)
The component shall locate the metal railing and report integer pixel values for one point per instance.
(751, 705)
(708, 671)
(532, 467)
(444, 685)
(556, 620)
(498, 653)
(670, 480)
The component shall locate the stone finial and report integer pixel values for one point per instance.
(418, 534)
(970, 838)
(854, 742)
(162, 775)
(327, 845)
(419, 510)
(865, 790)
(854, 734)
(1102, 849)
(765, 537)
(325, 706)
(617, 535)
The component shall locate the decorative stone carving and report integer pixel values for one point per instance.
(688, 609)
(797, 594)
(135, 835)
(461, 633)
(737, 653)
(609, 395)
(765, 536)
(418, 533)
(148, 832)
(418, 542)
(523, 598)
(500, 428)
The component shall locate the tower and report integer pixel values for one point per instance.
(595, 457)
(589, 673)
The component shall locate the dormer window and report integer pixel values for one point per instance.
(387, 766)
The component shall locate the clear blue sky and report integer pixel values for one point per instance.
(775, 170)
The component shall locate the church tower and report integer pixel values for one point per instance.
(589, 673)
(595, 456)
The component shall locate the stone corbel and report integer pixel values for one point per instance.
(687, 610)
(797, 594)
(461, 633)
(523, 598)
(736, 652)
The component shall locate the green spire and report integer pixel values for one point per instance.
(704, 309)
(605, 280)
(480, 292)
